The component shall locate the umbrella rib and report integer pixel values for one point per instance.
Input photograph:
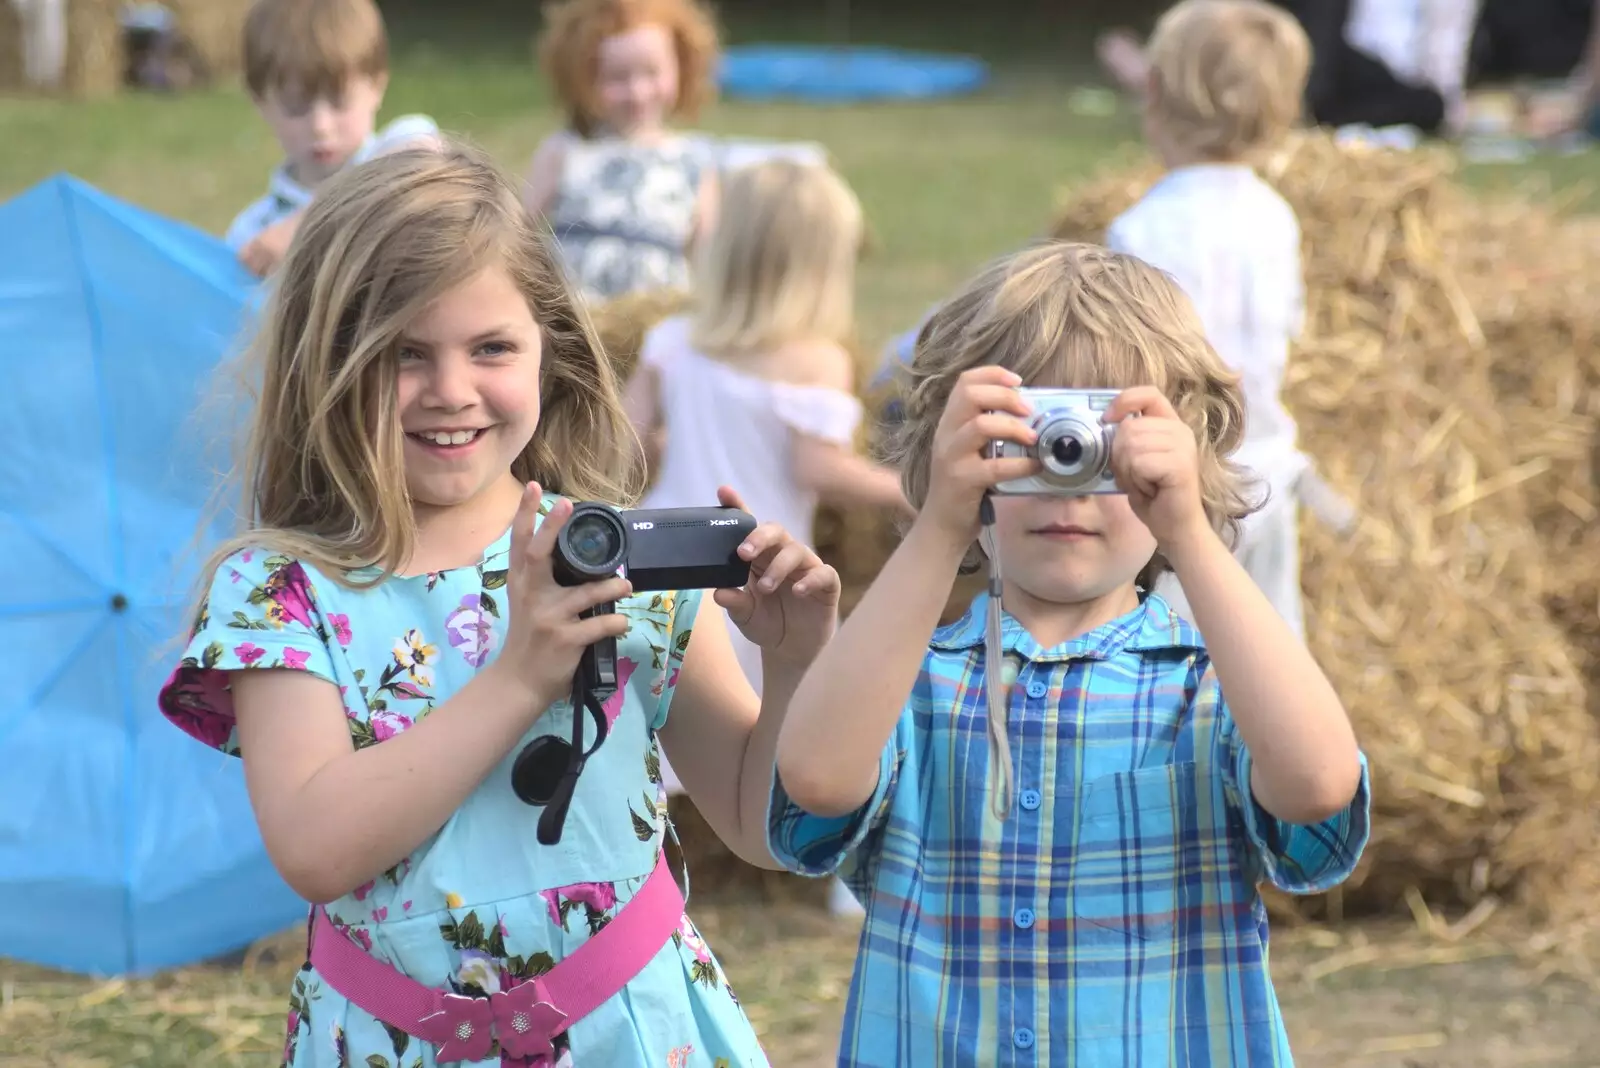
(39, 608)
(49, 546)
(68, 661)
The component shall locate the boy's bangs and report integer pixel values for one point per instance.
(1085, 362)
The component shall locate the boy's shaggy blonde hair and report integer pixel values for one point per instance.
(568, 51)
(780, 263)
(1226, 77)
(1080, 316)
(323, 469)
(312, 46)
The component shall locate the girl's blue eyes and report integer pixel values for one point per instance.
(488, 348)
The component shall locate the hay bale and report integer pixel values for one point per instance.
(1430, 619)
(95, 61)
(215, 29)
(622, 324)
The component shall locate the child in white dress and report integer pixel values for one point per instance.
(1226, 80)
(754, 388)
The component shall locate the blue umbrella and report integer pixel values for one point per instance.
(125, 846)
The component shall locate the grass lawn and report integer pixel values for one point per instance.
(946, 185)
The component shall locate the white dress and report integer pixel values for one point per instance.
(1233, 246)
(727, 427)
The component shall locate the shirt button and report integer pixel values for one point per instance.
(1029, 799)
(1037, 688)
(1023, 1038)
(1024, 918)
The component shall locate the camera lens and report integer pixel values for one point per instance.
(1067, 451)
(593, 540)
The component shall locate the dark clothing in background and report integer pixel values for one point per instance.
(1348, 86)
(1530, 38)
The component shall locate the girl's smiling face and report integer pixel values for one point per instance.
(636, 79)
(468, 390)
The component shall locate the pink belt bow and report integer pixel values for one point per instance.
(527, 1017)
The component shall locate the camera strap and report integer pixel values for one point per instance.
(994, 667)
(585, 699)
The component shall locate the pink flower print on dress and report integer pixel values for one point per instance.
(291, 595)
(470, 630)
(387, 724)
(380, 914)
(295, 659)
(364, 889)
(692, 939)
(341, 628)
(598, 896)
(613, 704)
(248, 653)
(679, 1058)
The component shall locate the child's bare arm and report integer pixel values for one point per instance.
(544, 175)
(1305, 764)
(846, 706)
(840, 476)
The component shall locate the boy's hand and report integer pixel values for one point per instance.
(984, 406)
(266, 250)
(1157, 464)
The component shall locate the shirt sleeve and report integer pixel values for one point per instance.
(820, 845)
(404, 132)
(1295, 858)
(260, 613)
(818, 412)
(250, 222)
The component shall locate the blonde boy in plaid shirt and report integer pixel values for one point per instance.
(1061, 864)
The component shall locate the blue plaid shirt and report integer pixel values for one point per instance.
(1114, 918)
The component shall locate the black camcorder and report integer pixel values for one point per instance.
(655, 549)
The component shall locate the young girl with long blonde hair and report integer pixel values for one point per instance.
(756, 385)
(387, 635)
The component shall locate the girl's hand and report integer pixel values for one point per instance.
(984, 406)
(790, 606)
(1157, 464)
(544, 636)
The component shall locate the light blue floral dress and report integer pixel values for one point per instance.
(481, 902)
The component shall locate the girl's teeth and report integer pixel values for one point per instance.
(459, 437)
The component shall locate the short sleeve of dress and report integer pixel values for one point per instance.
(260, 613)
(663, 342)
(685, 606)
(818, 411)
(1295, 858)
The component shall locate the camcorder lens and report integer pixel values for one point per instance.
(594, 541)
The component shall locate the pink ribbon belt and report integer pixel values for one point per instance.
(525, 1018)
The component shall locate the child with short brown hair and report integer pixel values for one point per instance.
(316, 71)
(1225, 85)
(1058, 813)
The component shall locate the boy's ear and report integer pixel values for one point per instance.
(380, 83)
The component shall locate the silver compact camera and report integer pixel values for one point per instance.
(1074, 446)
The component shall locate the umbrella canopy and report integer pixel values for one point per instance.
(125, 846)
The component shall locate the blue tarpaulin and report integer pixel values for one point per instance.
(125, 846)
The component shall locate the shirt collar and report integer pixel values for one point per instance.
(291, 194)
(1151, 627)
